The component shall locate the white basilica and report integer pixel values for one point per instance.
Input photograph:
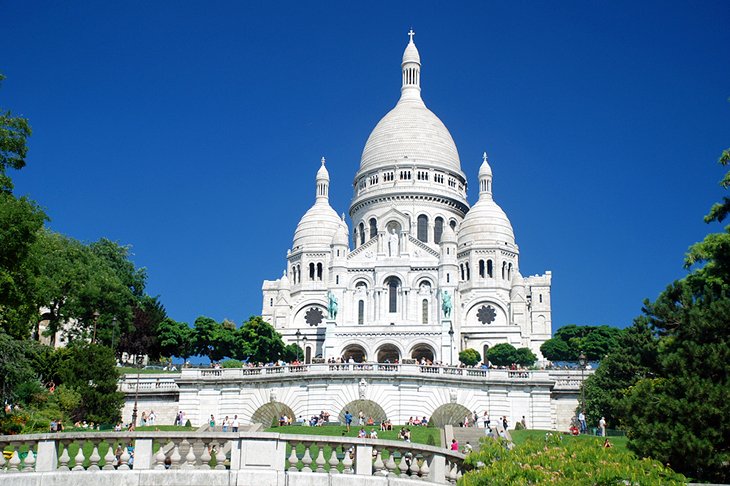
(426, 275)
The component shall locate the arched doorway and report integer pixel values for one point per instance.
(268, 413)
(451, 413)
(388, 353)
(356, 352)
(422, 351)
(368, 408)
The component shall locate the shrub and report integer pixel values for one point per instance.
(470, 356)
(187, 423)
(231, 363)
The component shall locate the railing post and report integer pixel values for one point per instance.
(437, 469)
(363, 460)
(143, 454)
(236, 454)
(47, 458)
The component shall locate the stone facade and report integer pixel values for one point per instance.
(426, 275)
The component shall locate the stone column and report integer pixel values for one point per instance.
(47, 456)
(143, 457)
(363, 460)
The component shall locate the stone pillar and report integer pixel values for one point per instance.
(363, 460)
(437, 469)
(143, 457)
(329, 338)
(47, 456)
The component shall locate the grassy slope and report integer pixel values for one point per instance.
(520, 436)
(419, 435)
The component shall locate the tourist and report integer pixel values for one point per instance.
(485, 419)
(504, 423)
(234, 424)
(476, 419)
(360, 418)
(602, 426)
(225, 424)
(371, 421)
(152, 417)
(361, 433)
(348, 419)
(607, 444)
(467, 448)
(523, 422)
(373, 434)
(582, 421)
(454, 445)
(211, 422)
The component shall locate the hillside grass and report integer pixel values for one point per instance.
(519, 437)
(419, 435)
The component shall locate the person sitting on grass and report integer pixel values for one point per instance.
(371, 421)
(607, 444)
(361, 433)
(373, 434)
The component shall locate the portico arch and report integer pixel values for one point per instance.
(368, 407)
(450, 413)
(388, 353)
(266, 413)
(423, 350)
(356, 352)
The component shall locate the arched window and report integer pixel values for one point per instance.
(484, 356)
(452, 223)
(337, 280)
(448, 277)
(319, 271)
(311, 271)
(541, 298)
(361, 226)
(393, 284)
(504, 270)
(438, 229)
(481, 268)
(373, 228)
(424, 311)
(490, 269)
(509, 272)
(461, 266)
(423, 228)
(468, 274)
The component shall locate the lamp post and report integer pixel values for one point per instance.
(451, 347)
(136, 392)
(304, 341)
(582, 361)
(96, 318)
(298, 335)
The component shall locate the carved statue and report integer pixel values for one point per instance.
(361, 388)
(332, 305)
(446, 303)
(392, 243)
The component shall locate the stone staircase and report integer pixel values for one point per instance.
(474, 434)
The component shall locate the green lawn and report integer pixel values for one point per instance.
(520, 436)
(419, 435)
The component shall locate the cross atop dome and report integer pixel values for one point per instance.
(411, 34)
(484, 158)
(323, 159)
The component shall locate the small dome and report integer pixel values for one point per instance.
(284, 281)
(322, 173)
(317, 227)
(485, 169)
(448, 235)
(486, 223)
(342, 235)
(411, 53)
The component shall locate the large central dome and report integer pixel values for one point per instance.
(410, 132)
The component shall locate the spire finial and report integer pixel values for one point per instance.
(411, 34)
(323, 161)
(484, 157)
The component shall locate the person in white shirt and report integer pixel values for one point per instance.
(235, 423)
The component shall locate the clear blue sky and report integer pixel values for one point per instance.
(193, 130)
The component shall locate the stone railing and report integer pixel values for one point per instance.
(264, 458)
(150, 384)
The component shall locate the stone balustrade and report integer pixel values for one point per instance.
(221, 458)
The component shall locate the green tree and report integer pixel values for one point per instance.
(90, 370)
(555, 349)
(680, 415)
(14, 133)
(634, 359)
(469, 356)
(175, 339)
(292, 352)
(15, 367)
(143, 338)
(502, 354)
(258, 341)
(525, 357)
(211, 338)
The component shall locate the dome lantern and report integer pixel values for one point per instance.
(323, 182)
(411, 70)
(485, 178)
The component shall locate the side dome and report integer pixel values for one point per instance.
(320, 223)
(486, 222)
